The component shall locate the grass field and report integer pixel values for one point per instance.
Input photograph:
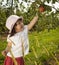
(44, 48)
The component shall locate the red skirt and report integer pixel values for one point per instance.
(9, 61)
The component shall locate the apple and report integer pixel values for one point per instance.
(41, 9)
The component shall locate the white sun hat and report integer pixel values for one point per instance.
(11, 20)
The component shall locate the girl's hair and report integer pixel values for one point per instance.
(13, 30)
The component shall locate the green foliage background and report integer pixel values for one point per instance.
(49, 21)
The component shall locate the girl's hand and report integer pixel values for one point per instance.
(4, 53)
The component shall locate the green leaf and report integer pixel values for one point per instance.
(53, 1)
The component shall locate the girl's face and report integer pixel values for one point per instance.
(19, 25)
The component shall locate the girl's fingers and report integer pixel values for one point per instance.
(4, 53)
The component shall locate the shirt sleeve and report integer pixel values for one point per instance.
(8, 39)
(26, 29)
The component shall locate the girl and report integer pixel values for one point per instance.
(18, 44)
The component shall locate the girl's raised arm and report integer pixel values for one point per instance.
(32, 23)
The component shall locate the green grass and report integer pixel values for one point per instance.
(42, 44)
(2, 47)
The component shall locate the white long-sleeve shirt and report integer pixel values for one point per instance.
(17, 40)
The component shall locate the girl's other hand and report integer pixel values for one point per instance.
(4, 53)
